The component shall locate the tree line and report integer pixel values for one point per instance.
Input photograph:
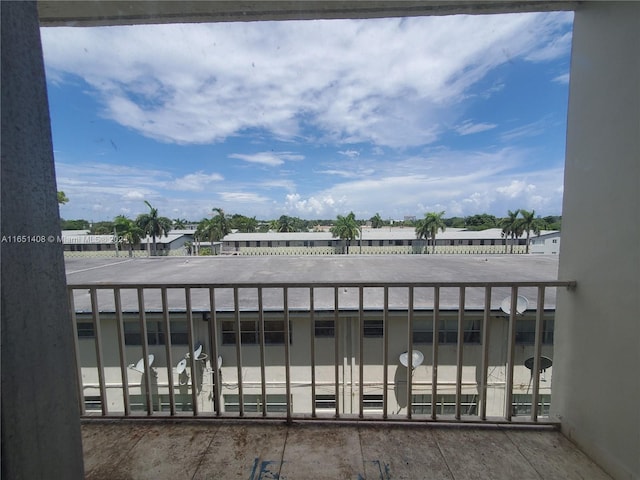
(348, 228)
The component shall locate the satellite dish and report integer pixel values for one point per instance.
(219, 361)
(544, 363)
(416, 358)
(182, 365)
(522, 303)
(139, 367)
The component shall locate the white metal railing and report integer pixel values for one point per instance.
(105, 301)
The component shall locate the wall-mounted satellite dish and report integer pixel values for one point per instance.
(219, 362)
(197, 354)
(544, 363)
(139, 367)
(416, 358)
(522, 303)
(182, 365)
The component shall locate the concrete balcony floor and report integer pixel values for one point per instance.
(251, 451)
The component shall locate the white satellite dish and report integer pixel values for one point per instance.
(522, 303)
(182, 365)
(139, 367)
(219, 362)
(197, 354)
(416, 358)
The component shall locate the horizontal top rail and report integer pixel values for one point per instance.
(323, 284)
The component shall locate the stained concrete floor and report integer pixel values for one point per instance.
(257, 451)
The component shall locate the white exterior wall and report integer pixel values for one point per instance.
(545, 244)
(597, 382)
(325, 372)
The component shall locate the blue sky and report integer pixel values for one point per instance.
(465, 114)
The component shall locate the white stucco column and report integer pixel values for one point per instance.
(40, 415)
(596, 382)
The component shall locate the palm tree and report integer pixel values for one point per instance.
(213, 229)
(153, 225)
(511, 227)
(128, 231)
(346, 228)
(376, 221)
(179, 223)
(429, 226)
(530, 223)
(285, 224)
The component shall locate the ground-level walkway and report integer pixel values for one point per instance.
(250, 451)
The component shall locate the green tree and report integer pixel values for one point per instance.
(214, 229)
(102, 228)
(153, 225)
(346, 228)
(80, 224)
(243, 224)
(376, 221)
(285, 224)
(128, 231)
(482, 221)
(530, 223)
(62, 198)
(511, 228)
(428, 227)
(179, 223)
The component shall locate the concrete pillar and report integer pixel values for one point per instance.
(40, 415)
(596, 370)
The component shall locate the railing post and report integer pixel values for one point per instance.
(410, 354)
(535, 372)
(263, 380)
(121, 350)
(95, 313)
(434, 358)
(485, 353)
(511, 355)
(238, 331)
(146, 375)
(460, 352)
(361, 352)
(192, 359)
(336, 331)
(385, 354)
(167, 345)
(213, 341)
(287, 357)
(312, 351)
(76, 347)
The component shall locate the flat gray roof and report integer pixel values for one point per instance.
(264, 270)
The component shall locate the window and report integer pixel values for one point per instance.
(155, 333)
(325, 328)
(445, 405)
(92, 403)
(555, 240)
(161, 403)
(447, 331)
(86, 330)
(250, 332)
(373, 328)
(372, 402)
(325, 402)
(526, 331)
(253, 403)
(522, 404)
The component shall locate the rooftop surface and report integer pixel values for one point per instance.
(216, 450)
(335, 269)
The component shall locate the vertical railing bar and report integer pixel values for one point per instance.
(287, 357)
(263, 374)
(142, 316)
(410, 354)
(213, 341)
(535, 372)
(336, 332)
(76, 346)
(385, 354)
(485, 353)
(98, 341)
(236, 309)
(361, 351)
(511, 354)
(192, 349)
(312, 347)
(434, 359)
(121, 350)
(166, 326)
(460, 352)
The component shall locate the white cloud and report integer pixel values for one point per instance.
(563, 79)
(271, 159)
(350, 153)
(195, 182)
(242, 197)
(392, 82)
(468, 127)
